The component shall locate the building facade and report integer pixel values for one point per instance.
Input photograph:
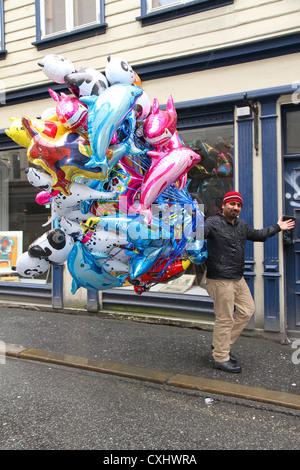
(233, 69)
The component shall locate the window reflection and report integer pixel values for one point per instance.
(55, 16)
(292, 132)
(20, 211)
(64, 15)
(84, 12)
(209, 180)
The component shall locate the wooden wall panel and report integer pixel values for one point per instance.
(242, 22)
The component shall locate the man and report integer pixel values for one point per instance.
(226, 236)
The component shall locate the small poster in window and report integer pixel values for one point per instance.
(11, 244)
(179, 285)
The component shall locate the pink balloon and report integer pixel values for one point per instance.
(175, 142)
(70, 111)
(160, 126)
(114, 140)
(166, 168)
(43, 197)
(132, 183)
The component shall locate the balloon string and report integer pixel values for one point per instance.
(143, 166)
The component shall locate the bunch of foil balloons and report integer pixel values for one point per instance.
(114, 169)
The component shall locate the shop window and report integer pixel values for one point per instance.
(3, 196)
(292, 132)
(63, 21)
(209, 180)
(156, 11)
(20, 211)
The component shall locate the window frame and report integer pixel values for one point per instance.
(3, 51)
(178, 11)
(84, 32)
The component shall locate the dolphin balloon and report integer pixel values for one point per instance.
(143, 261)
(105, 114)
(165, 169)
(118, 151)
(87, 273)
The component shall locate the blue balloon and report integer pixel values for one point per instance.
(106, 113)
(87, 273)
(118, 151)
(198, 253)
(142, 262)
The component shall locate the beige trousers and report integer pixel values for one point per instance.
(233, 307)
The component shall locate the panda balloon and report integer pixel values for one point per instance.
(86, 81)
(27, 266)
(53, 246)
(117, 70)
(142, 107)
(80, 81)
(56, 67)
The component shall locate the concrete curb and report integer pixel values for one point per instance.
(166, 378)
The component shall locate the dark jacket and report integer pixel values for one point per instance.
(226, 245)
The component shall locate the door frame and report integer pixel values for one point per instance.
(290, 317)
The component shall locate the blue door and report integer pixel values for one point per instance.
(291, 157)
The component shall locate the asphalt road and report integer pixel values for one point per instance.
(51, 407)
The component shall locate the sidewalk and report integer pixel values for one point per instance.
(166, 355)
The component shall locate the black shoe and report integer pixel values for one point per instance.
(231, 356)
(227, 366)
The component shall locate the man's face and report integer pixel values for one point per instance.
(232, 209)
